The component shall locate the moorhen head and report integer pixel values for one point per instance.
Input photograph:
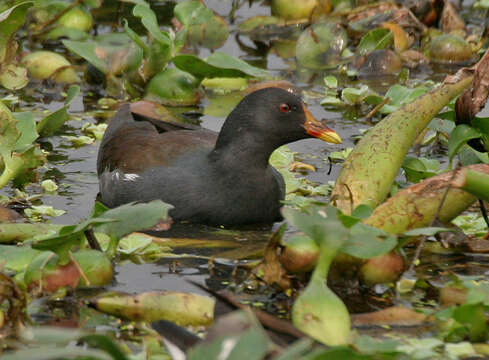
(219, 179)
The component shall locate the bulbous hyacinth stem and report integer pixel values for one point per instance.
(318, 311)
(474, 181)
(370, 170)
(416, 205)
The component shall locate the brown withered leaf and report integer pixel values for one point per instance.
(387, 12)
(479, 246)
(393, 316)
(412, 58)
(362, 12)
(270, 270)
(450, 19)
(473, 99)
(9, 215)
(322, 9)
(15, 314)
(450, 295)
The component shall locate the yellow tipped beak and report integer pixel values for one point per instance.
(319, 130)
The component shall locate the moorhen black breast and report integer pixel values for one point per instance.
(219, 179)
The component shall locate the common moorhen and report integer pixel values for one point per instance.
(209, 178)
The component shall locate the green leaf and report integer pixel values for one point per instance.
(136, 38)
(354, 96)
(192, 13)
(201, 69)
(87, 50)
(226, 61)
(417, 169)
(49, 186)
(459, 136)
(10, 21)
(67, 237)
(441, 125)
(322, 225)
(16, 162)
(339, 156)
(149, 21)
(400, 95)
(14, 77)
(362, 211)
(375, 39)
(106, 344)
(51, 334)
(133, 217)
(366, 242)
(27, 127)
(136, 2)
(51, 123)
(52, 352)
(66, 32)
(296, 350)
(216, 66)
(94, 3)
(482, 124)
(251, 344)
(133, 243)
(331, 82)
(36, 212)
(368, 345)
(16, 258)
(472, 316)
(471, 224)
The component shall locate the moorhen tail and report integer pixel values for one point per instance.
(218, 179)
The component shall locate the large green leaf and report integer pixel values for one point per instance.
(148, 19)
(459, 136)
(192, 13)
(420, 168)
(10, 21)
(27, 127)
(16, 161)
(366, 242)
(375, 39)
(52, 352)
(13, 77)
(217, 65)
(87, 50)
(226, 61)
(133, 217)
(51, 123)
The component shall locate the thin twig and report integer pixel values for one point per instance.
(377, 108)
(269, 321)
(435, 217)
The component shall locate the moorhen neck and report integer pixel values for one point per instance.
(218, 179)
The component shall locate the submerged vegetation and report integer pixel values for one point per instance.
(383, 259)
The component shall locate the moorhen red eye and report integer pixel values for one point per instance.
(219, 179)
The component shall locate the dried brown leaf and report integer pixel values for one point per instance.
(473, 99)
(450, 19)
